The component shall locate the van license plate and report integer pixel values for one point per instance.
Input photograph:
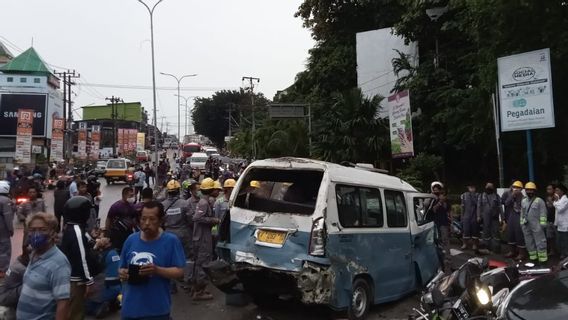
(272, 237)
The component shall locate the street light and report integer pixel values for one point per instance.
(178, 81)
(151, 13)
(186, 114)
(434, 14)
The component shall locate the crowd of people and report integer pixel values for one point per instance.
(534, 228)
(154, 240)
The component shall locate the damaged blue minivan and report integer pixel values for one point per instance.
(322, 233)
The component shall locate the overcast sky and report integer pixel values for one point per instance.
(108, 42)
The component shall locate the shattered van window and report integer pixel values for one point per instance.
(277, 190)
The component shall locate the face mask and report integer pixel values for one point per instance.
(131, 200)
(38, 240)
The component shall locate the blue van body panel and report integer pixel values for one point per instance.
(425, 254)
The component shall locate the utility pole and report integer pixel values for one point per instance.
(251, 81)
(114, 115)
(67, 108)
(162, 124)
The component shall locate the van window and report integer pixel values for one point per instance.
(116, 164)
(277, 190)
(359, 207)
(396, 209)
(422, 207)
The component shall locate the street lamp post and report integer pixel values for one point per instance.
(151, 13)
(186, 99)
(178, 95)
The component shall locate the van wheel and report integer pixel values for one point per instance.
(361, 300)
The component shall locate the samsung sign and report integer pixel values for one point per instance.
(9, 105)
(525, 91)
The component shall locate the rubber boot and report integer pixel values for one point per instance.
(475, 245)
(512, 251)
(523, 255)
(465, 244)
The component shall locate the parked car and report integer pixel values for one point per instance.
(322, 233)
(142, 156)
(197, 160)
(211, 151)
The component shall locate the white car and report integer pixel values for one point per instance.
(211, 151)
(197, 160)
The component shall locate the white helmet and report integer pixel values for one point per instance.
(436, 183)
(4, 187)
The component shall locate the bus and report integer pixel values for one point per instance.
(190, 148)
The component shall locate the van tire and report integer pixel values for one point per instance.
(361, 300)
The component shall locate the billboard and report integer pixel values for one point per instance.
(25, 120)
(82, 147)
(132, 138)
(95, 141)
(400, 120)
(124, 111)
(525, 91)
(58, 126)
(286, 111)
(376, 50)
(120, 142)
(140, 141)
(10, 103)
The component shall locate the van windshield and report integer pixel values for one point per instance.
(277, 190)
(116, 164)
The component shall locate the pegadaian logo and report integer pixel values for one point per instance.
(524, 74)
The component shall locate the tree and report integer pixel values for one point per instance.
(348, 130)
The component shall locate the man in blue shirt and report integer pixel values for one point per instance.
(149, 260)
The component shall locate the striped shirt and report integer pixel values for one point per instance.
(47, 280)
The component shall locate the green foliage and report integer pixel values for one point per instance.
(422, 170)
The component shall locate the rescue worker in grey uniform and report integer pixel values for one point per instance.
(178, 219)
(6, 227)
(533, 222)
(221, 208)
(489, 210)
(469, 218)
(193, 200)
(512, 199)
(203, 220)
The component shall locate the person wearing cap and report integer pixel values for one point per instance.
(178, 219)
(512, 200)
(203, 220)
(469, 221)
(489, 210)
(561, 206)
(533, 222)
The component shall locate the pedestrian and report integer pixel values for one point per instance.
(12, 286)
(147, 173)
(561, 206)
(79, 252)
(60, 196)
(512, 200)
(121, 219)
(46, 285)
(6, 227)
(550, 230)
(139, 180)
(533, 222)
(94, 189)
(469, 218)
(104, 301)
(489, 210)
(73, 191)
(441, 210)
(147, 195)
(150, 259)
(178, 221)
(82, 188)
(221, 210)
(203, 220)
(34, 205)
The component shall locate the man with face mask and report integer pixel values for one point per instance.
(469, 218)
(512, 199)
(489, 210)
(46, 286)
(121, 218)
(533, 222)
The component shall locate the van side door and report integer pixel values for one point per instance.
(422, 227)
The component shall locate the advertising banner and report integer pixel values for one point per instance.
(132, 135)
(525, 91)
(56, 153)
(140, 141)
(95, 142)
(24, 131)
(120, 142)
(82, 141)
(400, 120)
(10, 104)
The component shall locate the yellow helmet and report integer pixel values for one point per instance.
(255, 184)
(530, 186)
(217, 185)
(517, 184)
(207, 184)
(229, 183)
(173, 185)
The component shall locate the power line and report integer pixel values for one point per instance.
(142, 87)
(376, 78)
